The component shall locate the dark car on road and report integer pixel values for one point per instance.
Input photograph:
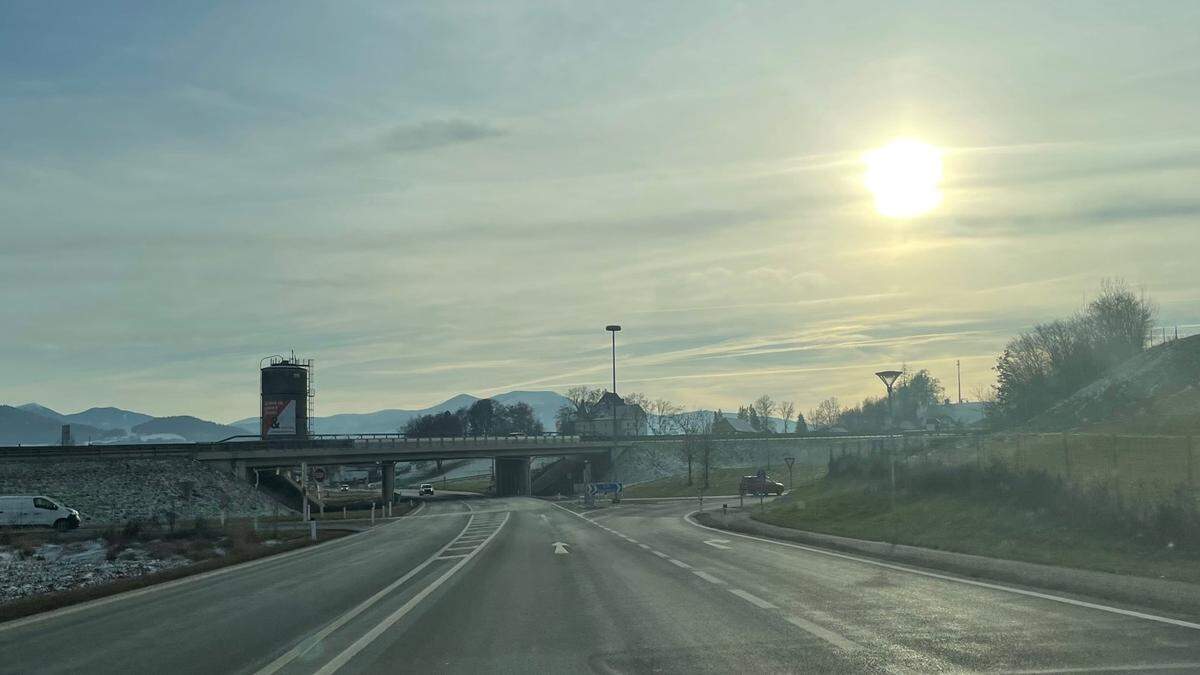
(759, 485)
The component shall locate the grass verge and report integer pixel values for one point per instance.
(1000, 514)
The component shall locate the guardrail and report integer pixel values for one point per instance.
(254, 443)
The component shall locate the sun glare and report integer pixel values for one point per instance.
(903, 176)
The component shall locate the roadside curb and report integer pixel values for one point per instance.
(1163, 594)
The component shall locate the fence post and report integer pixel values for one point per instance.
(1066, 456)
(1190, 461)
(1112, 444)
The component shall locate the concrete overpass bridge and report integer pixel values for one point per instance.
(242, 455)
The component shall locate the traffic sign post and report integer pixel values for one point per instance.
(790, 461)
(607, 488)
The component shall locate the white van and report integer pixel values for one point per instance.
(37, 511)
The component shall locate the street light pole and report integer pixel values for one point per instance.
(614, 329)
(889, 379)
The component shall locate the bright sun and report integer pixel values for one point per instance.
(903, 176)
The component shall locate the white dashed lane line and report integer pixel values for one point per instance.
(803, 624)
(821, 632)
(752, 599)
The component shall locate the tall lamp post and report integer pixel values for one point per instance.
(889, 379)
(614, 329)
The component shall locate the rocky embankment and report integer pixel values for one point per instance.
(27, 571)
(147, 490)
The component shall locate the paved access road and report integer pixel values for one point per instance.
(520, 585)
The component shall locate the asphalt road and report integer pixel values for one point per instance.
(480, 586)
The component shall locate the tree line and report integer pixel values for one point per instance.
(1045, 365)
(911, 393)
(484, 417)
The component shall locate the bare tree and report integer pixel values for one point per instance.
(581, 400)
(764, 406)
(641, 408)
(662, 414)
(693, 425)
(786, 410)
(826, 415)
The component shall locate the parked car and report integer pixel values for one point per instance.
(39, 510)
(344, 488)
(426, 489)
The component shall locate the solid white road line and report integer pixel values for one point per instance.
(100, 602)
(752, 599)
(708, 577)
(718, 543)
(947, 577)
(822, 632)
(1105, 669)
(660, 554)
(363, 642)
(337, 623)
(645, 546)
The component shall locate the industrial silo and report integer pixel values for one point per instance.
(286, 397)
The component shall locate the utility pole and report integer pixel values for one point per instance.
(958, 366)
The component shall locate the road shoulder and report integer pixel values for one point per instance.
(1160, 594)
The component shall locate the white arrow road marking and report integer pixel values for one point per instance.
(560, 548)
(717, 543)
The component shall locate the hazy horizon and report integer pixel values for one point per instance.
(433, 201)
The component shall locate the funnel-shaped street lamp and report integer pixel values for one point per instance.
(889, 378)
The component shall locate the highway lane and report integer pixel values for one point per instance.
(521, 585)
(232, 621)
(882, 617)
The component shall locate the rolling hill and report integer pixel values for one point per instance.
(186, 427)
(1157, 391)
(544, 403)
(20, 426)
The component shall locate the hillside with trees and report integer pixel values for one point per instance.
(1046, 365)
(485, 417)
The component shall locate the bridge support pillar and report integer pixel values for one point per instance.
(512, 476)
(389, 482)
(242, 471)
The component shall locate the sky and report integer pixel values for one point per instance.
(430, 199)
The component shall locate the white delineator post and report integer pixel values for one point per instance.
(312, 530)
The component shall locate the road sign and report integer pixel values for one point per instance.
(318, 473)
(790, 461)
(606, 488)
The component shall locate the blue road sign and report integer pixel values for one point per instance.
(606, 488)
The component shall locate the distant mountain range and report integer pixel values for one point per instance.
(35, 424)
(21, 426)
(544, 403)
